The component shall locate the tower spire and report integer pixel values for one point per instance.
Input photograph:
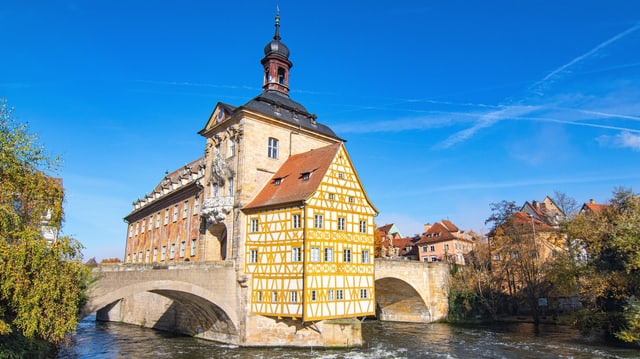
(276, 36)
(276, 62)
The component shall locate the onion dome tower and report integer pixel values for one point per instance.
(276, 63)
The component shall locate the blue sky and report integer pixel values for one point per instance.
(446, 106)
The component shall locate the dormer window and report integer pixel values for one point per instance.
(305, 176)
(277, 181)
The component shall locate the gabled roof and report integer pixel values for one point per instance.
(522, 218)
(288, 184)
(438, 232)
(450, 226)
(385, 229)
(593, 207)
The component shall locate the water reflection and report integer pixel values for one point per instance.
(383, 340)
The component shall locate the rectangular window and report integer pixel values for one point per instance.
(150, 222)
(163, 253)
(142, 226)
(137, 227)
(318, 219)
(259, 296)
(155, 254)
(332, 196)
(346, 256)
(254, 225)
(339, 294)
(434, 258)
(314, 296)
(364, 294)
(230, 186)
(341, 223)
(193, 247)
(330, 295)
(147, 256)
(432, 248)
(183, 248)
(363, 226)
(295, 221)
(166, 216)
(232, 147)
(328, 254)
(350, 199)
(296, 255)
(315, 254)
(196, 204)
(294, 296)
(424, 248)
(130, 230)
(158, 220)
(175, 213)
(365, 257)
(172, 252)
(185, 209)
(215, 189)
(273, 148)
(425, 259)
(253, 256)
(274, 296)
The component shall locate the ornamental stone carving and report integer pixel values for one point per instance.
(216, 209)
(220, 171)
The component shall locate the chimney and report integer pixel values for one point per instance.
(592, 201)
(426, 227)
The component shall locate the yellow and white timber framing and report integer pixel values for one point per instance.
(333, 230)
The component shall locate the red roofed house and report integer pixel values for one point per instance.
(592, 207)
(444, 241)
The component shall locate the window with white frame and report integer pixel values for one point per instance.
(183, 248)
(166, 216)
(432, 248)
(330, 294)
(434, 258)
(346, 255)
(155, 254)
(294, 296)
(196, 204)
(215, 189)
(314, 296)
(364, 293)
(137, 227)
(318, 221)
(230, 186)
(131, 230)
(142, 226)
(255, 224)
(147, 256)
(315, 254)
(274, 296)
(295, 221)
(363, 226)
(341, 223)
(296, 254)
(175, 213)
(150, 222)
(253, 256)
(157, 219)
(192, 252)
(185, 209)
(172, 252)
(328, 254)
(259, 296)
(273, 148)
(339, 294)
(365, 257)
(163, 253)
(232, 147)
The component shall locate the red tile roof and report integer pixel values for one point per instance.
(523, 218)
(594, 207)
(437, 233)
(386, 228)
(450, 226)
(292, 187)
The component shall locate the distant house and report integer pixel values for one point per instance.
(389, 233)
(546, 211)
(404, 248)
(592, 207)
(444, 241)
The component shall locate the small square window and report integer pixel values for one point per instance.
(332, 196)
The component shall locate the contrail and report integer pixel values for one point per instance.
(585, 55)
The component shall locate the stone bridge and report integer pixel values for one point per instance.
(208, 299)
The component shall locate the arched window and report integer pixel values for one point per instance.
(281, 75)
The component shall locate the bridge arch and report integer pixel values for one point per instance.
(193, 310)
(397, 300)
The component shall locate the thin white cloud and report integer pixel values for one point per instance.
(541, 83)
(625, 139)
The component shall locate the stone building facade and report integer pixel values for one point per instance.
(205, 211)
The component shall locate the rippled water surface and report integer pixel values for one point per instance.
(383, 340)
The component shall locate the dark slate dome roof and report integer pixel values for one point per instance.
(276, 47)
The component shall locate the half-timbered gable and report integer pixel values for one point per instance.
(309, 245)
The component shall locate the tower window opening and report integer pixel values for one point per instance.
(281, 76)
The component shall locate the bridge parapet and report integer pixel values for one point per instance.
(123, 267)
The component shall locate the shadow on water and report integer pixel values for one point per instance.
(383, 340)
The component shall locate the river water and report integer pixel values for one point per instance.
(383, 340)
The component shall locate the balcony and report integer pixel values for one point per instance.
(216, 209)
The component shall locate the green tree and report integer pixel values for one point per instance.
(41, 285)
(610, 279)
